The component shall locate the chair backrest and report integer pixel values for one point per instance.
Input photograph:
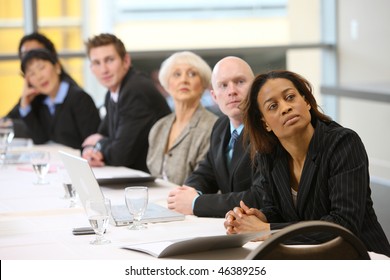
(345, 245)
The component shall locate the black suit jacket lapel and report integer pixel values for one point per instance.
(310, 169)
(308, 173)
(281, 177)
(221, 155)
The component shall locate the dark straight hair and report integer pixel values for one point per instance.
(48, 45)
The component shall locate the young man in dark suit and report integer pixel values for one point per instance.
(224, 177)
(133, 105)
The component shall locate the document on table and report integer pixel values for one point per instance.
(168, 248)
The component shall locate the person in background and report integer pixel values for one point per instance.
(224, 177)
(133, 105)
(206, 100)
(52, 108)
(28, 42)
(154, 76)
(309, 167)
(179, 141)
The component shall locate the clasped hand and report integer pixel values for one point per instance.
(181, 198)
(244, 219)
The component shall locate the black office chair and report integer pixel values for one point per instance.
(345, 245)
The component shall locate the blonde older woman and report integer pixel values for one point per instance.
(179, 141)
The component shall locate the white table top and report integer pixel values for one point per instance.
(36, 222)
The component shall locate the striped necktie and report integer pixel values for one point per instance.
(233, 140)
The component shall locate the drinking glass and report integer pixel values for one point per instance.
(40, 161)
(70, 193)
(98, 212)
(69, 190)
(6, 136)
(3, 153)
(137, 202)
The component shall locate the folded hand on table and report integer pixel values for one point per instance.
(244, 219)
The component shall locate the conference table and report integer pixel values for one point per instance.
(36, 221)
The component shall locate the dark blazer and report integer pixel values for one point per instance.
(213, 176)
(19, 126)
(74, 120)
(126, 127)
(334, 186)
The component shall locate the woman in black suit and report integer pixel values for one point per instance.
(29, 42)
(53, 108)
(308, 166)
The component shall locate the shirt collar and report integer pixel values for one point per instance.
(115, 95)
(238, 129)
(61, 94)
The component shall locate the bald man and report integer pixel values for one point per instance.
(224, 177)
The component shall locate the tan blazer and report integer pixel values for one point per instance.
(188, 150)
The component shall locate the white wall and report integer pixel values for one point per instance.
(305, 19)
(364, 61)
(364, 47)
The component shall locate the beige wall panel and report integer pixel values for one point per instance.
(203, 34)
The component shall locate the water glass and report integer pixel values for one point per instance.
(137, 202)
(6, 136)
(70, 193)
(40, 161)
(69, 190)
(3, 153)
(98, 212)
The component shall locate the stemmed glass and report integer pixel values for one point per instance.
(40, 161)
(137, 202)
(98, 211)
(69, 190)
(6, 136)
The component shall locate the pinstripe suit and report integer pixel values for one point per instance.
(334, 186)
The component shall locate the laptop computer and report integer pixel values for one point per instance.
(87, 187)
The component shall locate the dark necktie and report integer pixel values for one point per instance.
(114, 117)
(233, 140)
